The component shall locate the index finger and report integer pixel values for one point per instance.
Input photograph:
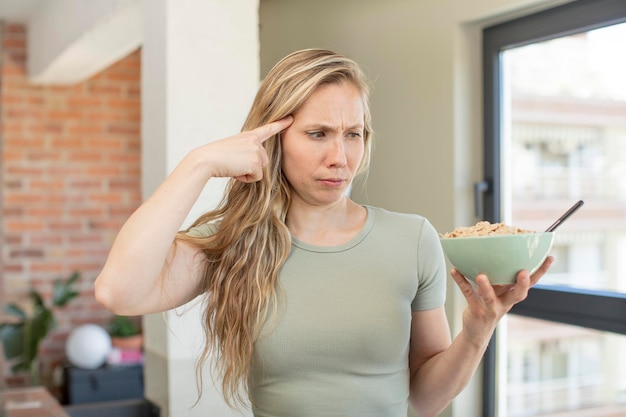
(268, 130)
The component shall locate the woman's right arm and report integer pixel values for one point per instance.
(145, 272)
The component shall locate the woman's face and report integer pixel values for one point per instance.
(323, 147)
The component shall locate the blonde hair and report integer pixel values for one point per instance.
(252, 242)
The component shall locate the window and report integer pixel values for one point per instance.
(555, 132)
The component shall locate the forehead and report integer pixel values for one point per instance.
(334, 101)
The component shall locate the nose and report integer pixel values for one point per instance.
(337, 153)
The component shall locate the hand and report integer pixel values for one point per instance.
(487, 304)
(242, 156)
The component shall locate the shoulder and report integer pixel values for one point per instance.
(406, 227)
(203, 230)
(390, 218)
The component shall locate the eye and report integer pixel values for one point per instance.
(355, 135)
(317, 134)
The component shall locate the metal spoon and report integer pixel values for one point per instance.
(565, 216)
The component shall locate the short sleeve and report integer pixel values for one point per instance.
(431, 291)
(202, 230)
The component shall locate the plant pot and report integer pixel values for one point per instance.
(134, 342)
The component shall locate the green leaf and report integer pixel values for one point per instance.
(35, 331)
(37, 300)
(12, 336)
(21, 340)
(122, 326)
(15, 310)
(63, 291)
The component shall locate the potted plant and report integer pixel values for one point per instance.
(30, 324)
(125, 333)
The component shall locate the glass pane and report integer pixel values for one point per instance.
(555, 370)
(564, 139)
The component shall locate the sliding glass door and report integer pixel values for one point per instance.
(555, 122)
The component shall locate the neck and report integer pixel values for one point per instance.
(328, 225)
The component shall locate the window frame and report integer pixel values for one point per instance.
(600, 310)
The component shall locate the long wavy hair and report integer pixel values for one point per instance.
(252, 242)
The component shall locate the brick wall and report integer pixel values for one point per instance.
(70, 172)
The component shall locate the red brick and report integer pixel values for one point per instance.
(128, 103)
(86, 129)
(23, 226)
(105, 89)
(44, 155)
(47, 267)
(124, 184)
(122, 76)
(22, 199)
(14, 184)
(84, 238)
(12, 99)
(87, 183)
(62, 146)
(26, 253)
(85, 266)
(86, 212)
(103, 198)
(43, 127)
(82, 102)
(105, 143)
(47, 185)
(123, 128)
(24, 171)
(11, 70)
(69, 171)
(15, 28)
(13, 239)
(64, 199)
(9, 126)
(36, 100)
(11, 155)
(134, 91)
(23, 113)
(21, 142)
(44, 212)
(86, 155)
(64, 226)
(13, 211)
(126, 158)
(104, 171)
(105, 116)
(9, 267)
(74, 142)
(46, 240)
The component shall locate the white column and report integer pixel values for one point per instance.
(200, 71)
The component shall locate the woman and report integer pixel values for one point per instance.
(317, 305)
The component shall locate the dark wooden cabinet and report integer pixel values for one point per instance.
(109, 383)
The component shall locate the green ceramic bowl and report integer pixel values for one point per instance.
(500, 257)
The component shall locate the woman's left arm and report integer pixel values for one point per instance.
(440, 369)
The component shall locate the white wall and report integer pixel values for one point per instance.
(424, 60)
(200, 72)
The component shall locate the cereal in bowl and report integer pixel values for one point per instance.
(484, 228)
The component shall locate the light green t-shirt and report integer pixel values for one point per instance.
(339, 343)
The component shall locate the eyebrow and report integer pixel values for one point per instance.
(321, 126)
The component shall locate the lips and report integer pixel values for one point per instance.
(332, 182)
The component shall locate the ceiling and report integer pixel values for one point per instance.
(17, 11)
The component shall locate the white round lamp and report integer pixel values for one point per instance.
(88, 346)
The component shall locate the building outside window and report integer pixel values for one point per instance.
(556, 134)
(567, 135)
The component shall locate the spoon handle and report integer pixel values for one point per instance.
(565, 216)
